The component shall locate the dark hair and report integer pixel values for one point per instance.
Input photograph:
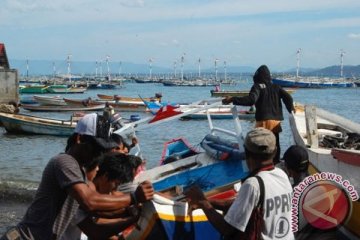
(135, 161)
(93, 163)
(119, 139)
(117, 167)
(70, 141)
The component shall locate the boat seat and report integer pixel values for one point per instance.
(327, 132)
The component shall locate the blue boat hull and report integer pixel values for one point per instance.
(310, 84)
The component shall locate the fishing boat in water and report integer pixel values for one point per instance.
(66, 108)
(105, 97)
(239, 93)
(64, 89)
(216, 112)
(33, 89)
(333, 145)
(298, 81)
(27, 124)
(86, 102)
(49, 100)
(312, 82)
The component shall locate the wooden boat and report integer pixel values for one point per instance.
(26, 124)
(27, 99)
(31, 89)
(315, 129)
(175, 149)
(163, 218)
(87, 102)
(235, 93)
(40, 108)
(64, 89)
(167, 215)
(218, 112)
(125, 98)
(50, 100)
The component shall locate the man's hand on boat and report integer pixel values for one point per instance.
(227, 100)
(144, 192)
(195, 198)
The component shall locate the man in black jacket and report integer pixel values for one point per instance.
(267, 99)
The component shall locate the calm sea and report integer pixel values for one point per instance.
(23, 157)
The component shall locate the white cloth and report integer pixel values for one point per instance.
(277, 205)
(73, 232)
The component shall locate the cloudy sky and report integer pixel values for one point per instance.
(240, 32)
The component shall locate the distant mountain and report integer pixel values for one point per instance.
(331, 71)
(334, 71)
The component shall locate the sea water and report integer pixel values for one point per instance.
(23, 157)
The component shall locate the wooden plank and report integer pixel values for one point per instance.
(311, 126)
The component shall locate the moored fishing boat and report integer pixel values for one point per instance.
(26, 124)
(217, 112)
(326, 136)
(64, 89)
(49, 100)
(235, 93)
(157, 97)
(86, 102)
(66, 108)
(31, 89)
(312, 82)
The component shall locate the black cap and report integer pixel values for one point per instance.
(296, 158)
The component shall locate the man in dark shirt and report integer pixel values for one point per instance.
(63, 176)
(267, 98)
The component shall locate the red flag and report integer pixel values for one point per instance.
(165, 112)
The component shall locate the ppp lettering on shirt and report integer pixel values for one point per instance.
(278, 206)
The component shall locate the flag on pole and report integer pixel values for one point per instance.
(165, 112)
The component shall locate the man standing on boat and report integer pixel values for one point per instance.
(263, 204)
(267, 98)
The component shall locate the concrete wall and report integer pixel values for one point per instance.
(9, 85)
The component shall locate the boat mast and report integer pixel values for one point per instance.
(150, 68)
(342, 53)
(175, 63)
(182, 67)
(54, 70)
(216, 60)
(96, 69)
(225, 75)
(27, 69)
(120, 63)
(199, 68)
(69, 67)
(298, 62)
(108, 67)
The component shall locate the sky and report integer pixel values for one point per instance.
(235, 32)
